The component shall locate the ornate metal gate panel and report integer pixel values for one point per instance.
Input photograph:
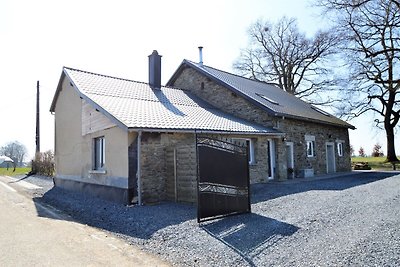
(223, 179)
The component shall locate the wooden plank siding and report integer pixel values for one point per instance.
(93, 120)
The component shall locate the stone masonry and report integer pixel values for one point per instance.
(295, 130)
(169, 165)
(159, 152)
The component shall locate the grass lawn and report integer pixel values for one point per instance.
(18, 171)
(376, 163)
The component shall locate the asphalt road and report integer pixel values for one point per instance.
(35, 235)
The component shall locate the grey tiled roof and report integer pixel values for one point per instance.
(137, 106)
(276, 101)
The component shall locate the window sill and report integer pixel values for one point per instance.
(97, 172)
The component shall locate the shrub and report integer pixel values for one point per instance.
(43, 163)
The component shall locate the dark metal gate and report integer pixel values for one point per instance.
(223, 179)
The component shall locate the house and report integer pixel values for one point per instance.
(315, 141)
(6, 162)
(130, 141)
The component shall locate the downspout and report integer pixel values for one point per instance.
(139, 168)
(175, 176)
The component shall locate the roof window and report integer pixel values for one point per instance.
(268, 99)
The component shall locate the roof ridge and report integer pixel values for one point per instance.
(234, 74)
(122, 79)
(103, 75)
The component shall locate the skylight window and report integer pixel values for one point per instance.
(268, 99)
(321, 111)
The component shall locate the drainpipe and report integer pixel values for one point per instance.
(175, 176)
(139, 168)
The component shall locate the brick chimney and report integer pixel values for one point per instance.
(155, 70)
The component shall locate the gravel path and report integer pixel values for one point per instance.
(352, 220)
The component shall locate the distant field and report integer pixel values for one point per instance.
(18, 171)
(376, 163)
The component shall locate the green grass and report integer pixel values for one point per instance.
(18, 171)
(376, 163)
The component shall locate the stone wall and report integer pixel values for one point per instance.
(169, 165)
(157, 167)
(295, 130)
(222, 97)
(181, 165)
(153, 170)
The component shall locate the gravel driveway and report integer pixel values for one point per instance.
(350, 220)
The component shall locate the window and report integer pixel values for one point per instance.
(340, 149)
(310, 141)
(310, 149)
(250, 144)
(99, 153)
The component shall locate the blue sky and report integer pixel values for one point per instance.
(38, 38)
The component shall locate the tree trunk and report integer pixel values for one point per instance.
(389, 127)
(391, 152)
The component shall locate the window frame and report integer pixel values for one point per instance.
(339, 147)
(250, 145)
(310, 146)
(99, 153)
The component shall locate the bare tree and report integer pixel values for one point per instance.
(377, 151)
(14, 150)
(279, 53)
(372, 32)
(361, 152)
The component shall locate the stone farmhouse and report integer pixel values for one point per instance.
(315, 142)
(135, 142)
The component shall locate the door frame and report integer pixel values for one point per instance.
(333, 157)
(291, 145)
(271, 156)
